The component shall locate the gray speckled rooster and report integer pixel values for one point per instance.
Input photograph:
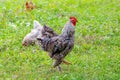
(59, 46)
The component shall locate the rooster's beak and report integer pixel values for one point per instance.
(77, 21)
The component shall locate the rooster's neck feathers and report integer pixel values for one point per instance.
(68, 29)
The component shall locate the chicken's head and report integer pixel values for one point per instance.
(73, 20)
(28, 40)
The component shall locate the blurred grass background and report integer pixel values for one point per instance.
(96, 54)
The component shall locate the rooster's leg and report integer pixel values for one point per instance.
(66, 62)
(57, 63)
(59, 68)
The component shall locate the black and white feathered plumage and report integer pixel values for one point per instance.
(59, 46)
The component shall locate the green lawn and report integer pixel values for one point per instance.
(96, 54)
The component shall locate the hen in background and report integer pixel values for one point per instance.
(29, 5)
(38, 30)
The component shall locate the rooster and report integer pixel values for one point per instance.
(38, 30)
(59, 46)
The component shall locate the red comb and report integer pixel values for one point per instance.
(72, 17)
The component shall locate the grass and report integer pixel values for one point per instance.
(96, 54)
